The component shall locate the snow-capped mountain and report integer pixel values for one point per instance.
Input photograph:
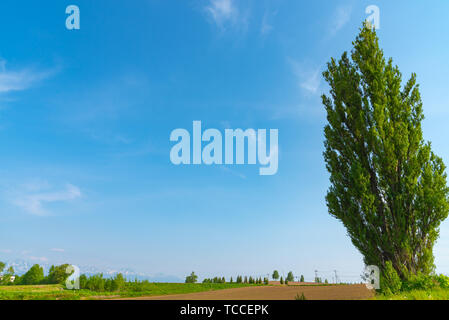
(21, 266)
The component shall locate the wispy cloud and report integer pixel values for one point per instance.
(222, 11)
(5, 250)
(342, 16)
(57, 250)
(41, 259)
(308, 79)
(233, 172)
(266, 26)
(17, 80)
(33, 201)
(225, 14)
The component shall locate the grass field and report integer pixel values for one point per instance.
(434, 294)
(199, 291)
(57, 292)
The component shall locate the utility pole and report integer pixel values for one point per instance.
(336, 276)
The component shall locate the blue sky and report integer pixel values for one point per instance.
(86, 115)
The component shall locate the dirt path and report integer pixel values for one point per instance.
(340, 292)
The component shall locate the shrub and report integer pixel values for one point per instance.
(300, 297)
(419, 282)
(443, 281)
(192, 278)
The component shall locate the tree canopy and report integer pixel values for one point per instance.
(192, 278)
(388, 188)
(34, 275)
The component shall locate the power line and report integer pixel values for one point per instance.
(336, 276)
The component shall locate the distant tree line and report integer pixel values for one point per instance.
(193, 278)
(58, 275)
(34, 276)
(290, 277)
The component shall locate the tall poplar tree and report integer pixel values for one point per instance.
(387, 186)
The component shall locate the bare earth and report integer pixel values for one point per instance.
(340, 292)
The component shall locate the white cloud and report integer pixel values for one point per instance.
(342, 16)
(221, 11)
(225, 13)
(41, 259)
(308, 79)
(33, 201)
(57, 250)
(17, 80)
(5, 250)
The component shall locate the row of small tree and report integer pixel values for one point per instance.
(35, 275)
(193, 278)
(290, 277)
(251, 280)
(100, 284)
(215, 280)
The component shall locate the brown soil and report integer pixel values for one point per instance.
(336, 292)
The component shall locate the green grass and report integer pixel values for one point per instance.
(57, 292)
(433, 294)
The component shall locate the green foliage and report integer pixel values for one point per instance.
(302, 279)
(282, 280)
(275, 275)
(265, 281)
(2, 266)
(419, 282)
(290, 276)
(95, 283)
(434, 294)
(119, 282)
(35, 275)
(216, 280)
(443, 281)
(192, 278)
(387, 186)
(57, 274)
(7, 276)
(390, 283)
